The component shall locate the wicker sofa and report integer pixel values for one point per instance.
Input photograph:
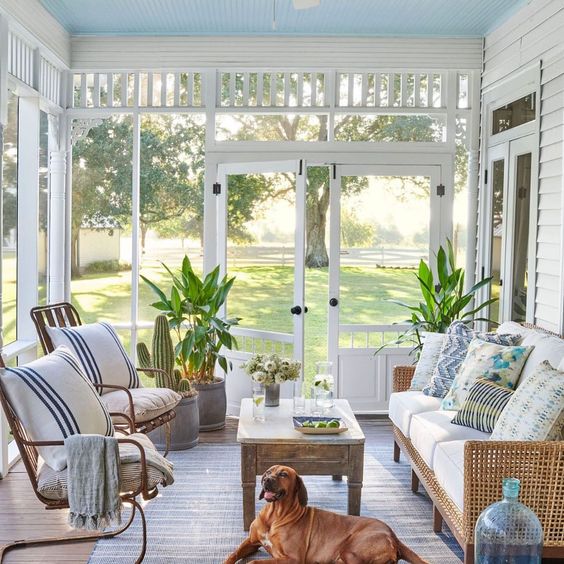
(462, 470)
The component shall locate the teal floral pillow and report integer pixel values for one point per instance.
(490, 361)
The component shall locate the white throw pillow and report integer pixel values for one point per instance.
(54, 399)
(535, 412)
(427, 362)
(100, 353)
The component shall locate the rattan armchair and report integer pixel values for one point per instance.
(539, 465)
(64, 314)
(30, 458)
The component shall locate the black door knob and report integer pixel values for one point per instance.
(296, 310)
(333, 302)
(306, 309)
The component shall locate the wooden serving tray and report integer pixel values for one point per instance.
(298, 426)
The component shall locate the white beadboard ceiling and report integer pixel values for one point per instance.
(434, 18)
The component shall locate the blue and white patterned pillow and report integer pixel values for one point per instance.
(535, 411)
(54, 399)
(100, 352)
(453, 353)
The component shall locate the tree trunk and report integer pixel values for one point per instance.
(144, 228)
(317, 206)
(75, 256)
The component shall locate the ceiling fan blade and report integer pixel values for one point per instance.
(305, 4)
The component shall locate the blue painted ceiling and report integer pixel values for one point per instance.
(469, 18)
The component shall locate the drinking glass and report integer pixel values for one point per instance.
(299, 398)
(259, 397)
(323, 385)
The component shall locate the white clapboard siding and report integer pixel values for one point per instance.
(138, 53)
(535, 34)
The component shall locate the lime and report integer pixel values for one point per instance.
(333, 424)
(258, 400)
(320, 425)
(307, 424)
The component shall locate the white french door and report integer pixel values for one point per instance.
(261, 241)
(384, 220)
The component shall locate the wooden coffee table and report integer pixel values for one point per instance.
(274, 441)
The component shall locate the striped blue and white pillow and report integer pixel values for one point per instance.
(54, 399)
(483, 405)
(100, 352)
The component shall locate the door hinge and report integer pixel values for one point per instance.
(483, 272)
(216, 188)
(486, 176)
(301, 169)
(441, 190)
(334, 166)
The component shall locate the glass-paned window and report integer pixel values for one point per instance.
(516, 113)
(273, 127)
(497, 182)
(42, 235)
(460, 207)
(390, 128)
(10, 219)
(171, 219)
(101, 249)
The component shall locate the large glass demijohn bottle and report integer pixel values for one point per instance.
(508, 532)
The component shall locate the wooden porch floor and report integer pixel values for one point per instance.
(23, 516)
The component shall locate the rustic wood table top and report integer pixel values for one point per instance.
(279, 426)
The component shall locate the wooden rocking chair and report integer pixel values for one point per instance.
(30, 458)
(64, 314)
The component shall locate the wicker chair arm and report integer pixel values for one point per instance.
(402, 376)
(131, 416)
(539, 465)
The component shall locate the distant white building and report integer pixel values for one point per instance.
(99, 242)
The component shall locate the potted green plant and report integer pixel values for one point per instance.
(184, 428)
(192, 307)
(444, 299)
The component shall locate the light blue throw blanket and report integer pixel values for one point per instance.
(93, 466)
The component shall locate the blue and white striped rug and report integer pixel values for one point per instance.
(198, 520)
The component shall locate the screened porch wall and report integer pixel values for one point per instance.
(534, 36)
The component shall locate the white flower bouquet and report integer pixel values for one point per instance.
(270, 369)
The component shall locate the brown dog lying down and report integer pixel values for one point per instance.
(293, 533)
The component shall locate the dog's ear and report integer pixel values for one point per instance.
(261, 495)
(301, 491)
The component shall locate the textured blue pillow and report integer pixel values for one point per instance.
(453, 353)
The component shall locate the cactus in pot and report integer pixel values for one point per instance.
(163, 357)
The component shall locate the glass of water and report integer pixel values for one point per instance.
(259, 397)
(299, 398)
(323, 385)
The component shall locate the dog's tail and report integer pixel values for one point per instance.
(405, 553)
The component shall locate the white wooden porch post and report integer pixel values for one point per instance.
(58, 172)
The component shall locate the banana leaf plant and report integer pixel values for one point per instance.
(443, 300)
(192, 306)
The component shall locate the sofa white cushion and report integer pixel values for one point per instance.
(54, 399)
(513, 328)
(433, 427)
(448, 465)
(403, 405)
(547, 347)
(148, 403)
(100, 352)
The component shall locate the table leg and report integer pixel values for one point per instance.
(356, 470)
(248, 482)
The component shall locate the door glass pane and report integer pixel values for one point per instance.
(316, 269)
(516, 113)
(172, 199)
(101, 221)
(384, 234)
(10, 219)
(521, 240)
(497, 175)
(42, 240)
(261, 224)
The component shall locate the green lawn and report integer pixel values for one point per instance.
(262, 296)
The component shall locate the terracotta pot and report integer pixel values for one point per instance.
(184, 428)
(212, 404)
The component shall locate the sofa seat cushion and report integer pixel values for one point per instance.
(148, 403)
(403, 405)
(448, 465)
(434, 427)
(53, 484)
